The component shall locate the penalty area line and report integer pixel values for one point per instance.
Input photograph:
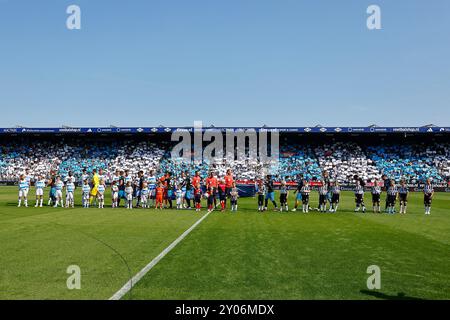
(132, 282)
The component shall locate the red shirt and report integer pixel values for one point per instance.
(159, 191)
(211, 182)
(195, 181)
(229, 181)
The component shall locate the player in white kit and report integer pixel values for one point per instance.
(40, 185)
(86, 190)
(179, 195)
(101, 194)
(151, 182)
(129, 195)
(144, 195)
(70, 190)
(115, 194)
(59, 186)
(23, 191)
(28, 178)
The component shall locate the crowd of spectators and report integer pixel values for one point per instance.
(342, 160)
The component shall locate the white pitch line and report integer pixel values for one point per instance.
(131, 283)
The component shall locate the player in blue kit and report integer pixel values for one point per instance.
(59, 186)
(101, 194)
(40, 185)
(86, 192)
(23, 191)
(151, 183)
(70, 191)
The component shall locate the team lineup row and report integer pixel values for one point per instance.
(147, 192)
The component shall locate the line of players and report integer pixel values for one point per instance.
(329, 193)
(149, 192)
(144, 192)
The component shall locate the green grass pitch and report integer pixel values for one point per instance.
(246, 255)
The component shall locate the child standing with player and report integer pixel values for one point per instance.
(23, 191)
(428, 193)
(86, 191)
(179, 196)
(198, 197)
(392, 197)
(129, 195)
(159, 196)
(335, 196)
(210, 196)
(59, 186)
(221, 187)
(306, 189)
(101, 194)
(261, 191)
(70, 190)
(115, 194)
(403, 196)
(359, 197)
(234, 195)
(144, 195)
(284, 193)
(376, 195)
(40, 185)
(323, 196)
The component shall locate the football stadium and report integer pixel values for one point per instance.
(109, 213)
(224, 159)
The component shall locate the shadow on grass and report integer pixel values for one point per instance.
(380, 295)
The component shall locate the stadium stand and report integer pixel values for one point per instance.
(344, 160)
(414, 163)
(343, 157)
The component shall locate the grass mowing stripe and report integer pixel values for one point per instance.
(129, 285)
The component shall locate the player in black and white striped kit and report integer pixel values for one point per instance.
(392, 197)
(323, 196)
(428, 193)
(403, 196)
(376, 195)
(359, 197)
(306, 189)
(335, 195)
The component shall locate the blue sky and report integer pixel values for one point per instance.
(228, 63)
